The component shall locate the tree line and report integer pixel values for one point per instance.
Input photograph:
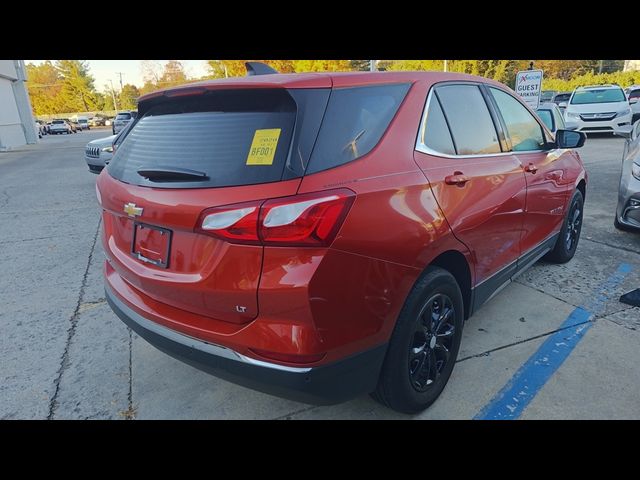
(67, 85)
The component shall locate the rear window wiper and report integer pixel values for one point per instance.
(172, 174)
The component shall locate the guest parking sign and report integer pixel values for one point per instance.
(528, 83)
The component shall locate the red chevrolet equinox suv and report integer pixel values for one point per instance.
(320, 236)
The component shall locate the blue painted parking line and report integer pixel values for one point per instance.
(514, 397)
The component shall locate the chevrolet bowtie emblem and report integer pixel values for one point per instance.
(131, 210)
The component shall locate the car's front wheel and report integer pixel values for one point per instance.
(424, 345)
(565, 247)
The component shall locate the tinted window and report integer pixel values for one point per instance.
(57, 122)
(559, 120)
(634, 94)
(239, 137)
(598, 95)
(563, 97)
(468, 116)
(436, 134)
(354, 122)
(523, 129)
(546, 117)
(123, 116)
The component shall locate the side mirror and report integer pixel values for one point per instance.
(633, 101)
(570, 125)
(624, 132)
(570, 139)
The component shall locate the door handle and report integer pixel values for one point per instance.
(458, 178)
(531, 168)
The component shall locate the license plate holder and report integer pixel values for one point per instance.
(151, 244)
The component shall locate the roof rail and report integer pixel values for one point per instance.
(259, 68)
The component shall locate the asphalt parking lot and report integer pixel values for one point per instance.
(556, 343)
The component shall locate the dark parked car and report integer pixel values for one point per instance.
(547, 96)
(320, 236)
(561, 100)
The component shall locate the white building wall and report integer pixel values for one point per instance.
(630, 65)
(16, 120)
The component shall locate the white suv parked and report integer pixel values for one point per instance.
(599, 108)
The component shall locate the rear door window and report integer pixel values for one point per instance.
(354, 122)
(239, 137)
(469, 119)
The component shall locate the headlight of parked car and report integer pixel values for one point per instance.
(108, 149)
(622, 113)
(573, 115)
(635, 170)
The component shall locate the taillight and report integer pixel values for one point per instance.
(305, 220)
(311, 219)
(234, 223)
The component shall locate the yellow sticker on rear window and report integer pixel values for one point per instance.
(263, 147)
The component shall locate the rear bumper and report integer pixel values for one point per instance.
(323, 385)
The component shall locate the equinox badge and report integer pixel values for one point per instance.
(131, 210)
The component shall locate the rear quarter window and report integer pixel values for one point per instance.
(354, 121)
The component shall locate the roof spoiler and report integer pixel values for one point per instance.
(258, 68)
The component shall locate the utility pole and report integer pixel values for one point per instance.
(113, 95)
(120, 73)
(600, 66)
(446, 64)
(372, 65)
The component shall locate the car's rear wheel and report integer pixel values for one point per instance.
(565, 247)
(424, 345)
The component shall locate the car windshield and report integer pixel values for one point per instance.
(123, 116)
(563, 97)
(634, 94)
(546, 117)
(57, 122)
(598, 95)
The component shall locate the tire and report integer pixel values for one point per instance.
(565, 247)
(407, 383)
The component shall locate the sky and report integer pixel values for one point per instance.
(104, 70)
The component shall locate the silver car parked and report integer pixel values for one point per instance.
(122, 120)
(98, 153)
(628, 210)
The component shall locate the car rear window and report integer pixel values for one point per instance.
(57, 122)
(123, 116)
(236, 137)
(634, 94)
(355, 120)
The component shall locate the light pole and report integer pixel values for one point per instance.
(372, 65)
(446, 64)
(113, 95)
